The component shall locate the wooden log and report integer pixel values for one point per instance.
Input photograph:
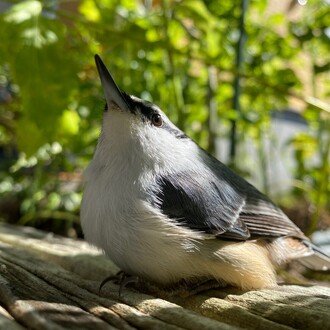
(51, 282)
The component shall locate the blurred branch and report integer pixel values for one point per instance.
(212, 119)
(237, 80)
(263, 160)
(316, 103)
(175, 80)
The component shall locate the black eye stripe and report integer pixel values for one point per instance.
(147, 110)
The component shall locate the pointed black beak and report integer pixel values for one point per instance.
(111, 91)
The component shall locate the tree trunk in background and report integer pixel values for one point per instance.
(212, 120)
(237, 86)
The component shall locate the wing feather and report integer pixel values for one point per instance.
(217, 201)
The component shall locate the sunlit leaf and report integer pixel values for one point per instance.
(37, 38)
(69, 122)
(23, 11)
(90, 10)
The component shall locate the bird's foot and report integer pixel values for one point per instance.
(121, 278)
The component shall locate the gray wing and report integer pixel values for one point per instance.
(217, 201)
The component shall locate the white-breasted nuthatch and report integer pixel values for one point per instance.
(165, 210)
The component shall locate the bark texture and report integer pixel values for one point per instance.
(51, 282)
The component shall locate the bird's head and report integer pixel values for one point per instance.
(134, 125)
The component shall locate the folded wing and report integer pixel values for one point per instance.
(217, 201)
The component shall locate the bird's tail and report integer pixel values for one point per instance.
(318, 260)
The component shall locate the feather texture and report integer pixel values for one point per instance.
(217, 201)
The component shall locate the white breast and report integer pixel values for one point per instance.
(116, 217)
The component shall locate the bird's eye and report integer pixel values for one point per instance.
(157, 120)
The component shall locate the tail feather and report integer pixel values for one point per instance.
(316, 261)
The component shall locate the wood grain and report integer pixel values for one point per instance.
(50, 282)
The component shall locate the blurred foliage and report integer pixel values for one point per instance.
(164, 51)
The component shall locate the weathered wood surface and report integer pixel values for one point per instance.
(49, 282)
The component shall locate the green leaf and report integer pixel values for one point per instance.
(195, 9)
(69, 123)
(213, 44)
(90, 10)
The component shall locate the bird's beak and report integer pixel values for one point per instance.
(111, 91)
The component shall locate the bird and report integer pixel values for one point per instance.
(165, 210)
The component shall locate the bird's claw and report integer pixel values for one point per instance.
(120, 278)
(127, 280)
